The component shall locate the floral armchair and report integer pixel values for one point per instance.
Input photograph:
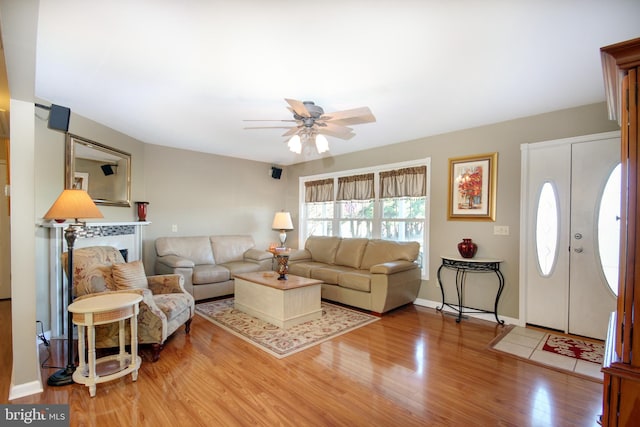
(165, 304)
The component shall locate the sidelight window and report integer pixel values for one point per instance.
(609, 229)
(546, 237)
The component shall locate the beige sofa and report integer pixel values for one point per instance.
(209, 263)
(375, 275)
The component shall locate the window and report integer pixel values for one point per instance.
(547, 229)
(319, 207)
(355, 198)
(609, 229)
(388, 202)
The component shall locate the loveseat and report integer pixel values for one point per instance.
(209, 263)
(372, 274)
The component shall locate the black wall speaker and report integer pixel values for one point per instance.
(276, 172)
(59, 118)
(107, 170)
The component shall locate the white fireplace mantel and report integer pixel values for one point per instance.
(121, 235)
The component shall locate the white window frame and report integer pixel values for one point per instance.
(302, 220)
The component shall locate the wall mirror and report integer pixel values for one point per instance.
(104, 172)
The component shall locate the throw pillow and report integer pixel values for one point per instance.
(129, 275)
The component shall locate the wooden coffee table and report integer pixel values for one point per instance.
(283, 303)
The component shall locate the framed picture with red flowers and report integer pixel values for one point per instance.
(472, 187)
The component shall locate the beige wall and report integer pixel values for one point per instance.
(203, 194)
(504, 138)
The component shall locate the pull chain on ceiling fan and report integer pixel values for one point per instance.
(312, 124)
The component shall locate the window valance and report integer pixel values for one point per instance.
(406, 182)
(318, 191)
(356, 187)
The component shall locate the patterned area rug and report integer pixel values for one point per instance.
(581, 357)
(572, 347)
(279, 342)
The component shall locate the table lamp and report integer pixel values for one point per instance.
(282, 222)
(71, 204)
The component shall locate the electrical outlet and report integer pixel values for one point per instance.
(174, 228)
(501, 230)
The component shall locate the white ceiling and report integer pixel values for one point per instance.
(186, 73)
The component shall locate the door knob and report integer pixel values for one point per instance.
(578, 250)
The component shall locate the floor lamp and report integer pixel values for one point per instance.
(71, 204)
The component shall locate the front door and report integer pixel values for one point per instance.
(562, 267)
(591, 299)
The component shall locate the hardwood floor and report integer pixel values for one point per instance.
(413, 367)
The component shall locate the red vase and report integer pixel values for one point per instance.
(142, 210)
(467, 248)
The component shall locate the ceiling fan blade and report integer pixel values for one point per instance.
(298, 107)
(350, 117)
(334, 128)
(267, 127)
(340, 135)
(267, 120)
(292, 131)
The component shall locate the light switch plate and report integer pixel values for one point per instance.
(501, 230)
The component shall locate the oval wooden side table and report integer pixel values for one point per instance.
(99, 310)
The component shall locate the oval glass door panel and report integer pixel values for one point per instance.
(609, 229)
(546, 237)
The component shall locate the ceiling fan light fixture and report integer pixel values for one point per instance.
(295, 145)
(322, 144)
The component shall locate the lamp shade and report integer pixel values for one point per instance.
(295, 144)
(73, 204)
(282, 221)
(322, 144)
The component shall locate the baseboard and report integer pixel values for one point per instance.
(484, 316)
(26, 389)
(17, 391)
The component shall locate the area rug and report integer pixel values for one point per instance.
(566, 353)
(279, 342)
(572, 347)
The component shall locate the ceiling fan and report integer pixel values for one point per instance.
(311, 124)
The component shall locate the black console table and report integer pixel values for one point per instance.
(462, 266)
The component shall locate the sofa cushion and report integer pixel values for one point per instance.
(195, 248)
(328, 274)
(357, 280)
(211, 273)
(230, 248)
(381, 251)
(350, 252)
(238, 267)
(129, 275)
(305, 268)
(323, 248)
